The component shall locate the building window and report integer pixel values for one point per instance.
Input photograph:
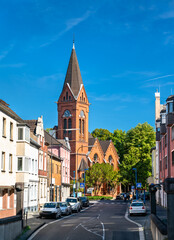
(69, 123)
(82, 114)
(69, 97)
(82, 96)
(165, 160)
(65, 125)
(80, 126)
(173, 133)
(110, 159)
(3, 161)
(63, 98)
(160, 165)
(26, 164)
(45, 162)
(36, 167)
(11, 131)
(4, 127)
(95, 157)
(165, 140)
(83, 127)
(20, 133)
(10, 162)
(33, 166)
(170, 107)
(27, 134)
(66, 95)
(20, 164)
(41, 161)
(57, 169)
(173, 158)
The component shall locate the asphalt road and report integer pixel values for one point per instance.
(104, 220)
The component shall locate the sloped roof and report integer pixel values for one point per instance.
(91, 142)
(89, 135)
(104, 144)
(32, 124)
(73, 75)
(50, 140)
(4, 107)
(83, 165)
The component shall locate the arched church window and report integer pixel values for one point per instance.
(63, 98)
(80, 126)
(83, 127)
(82, 96)
(65, 124)
(67, 113)
(95, 157)
(69, 97)
(82, 114)
(69, 123)
(110, 159)
(66, 95)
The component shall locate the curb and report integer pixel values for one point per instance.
(42, 224)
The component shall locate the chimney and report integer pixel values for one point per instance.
(157, 105)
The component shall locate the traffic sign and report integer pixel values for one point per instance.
(138, 185)
(82, 185)
(132, 187)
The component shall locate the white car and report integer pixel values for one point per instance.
(137, 207)
(75, 204)
(50, 209)
(65, 208)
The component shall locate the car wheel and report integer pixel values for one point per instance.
(130, 214)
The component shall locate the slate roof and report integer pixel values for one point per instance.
(105, 144)
(83, 165)
(48, 138)
(32, 124)
(91, 141)
(73, 75)
(4, 107)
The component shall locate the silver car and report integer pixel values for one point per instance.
(50, 209)
(65, 208)
(75, 204)
(137, 207)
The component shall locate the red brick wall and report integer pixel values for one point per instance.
(11, 211)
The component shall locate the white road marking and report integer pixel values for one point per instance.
(91, 231)
(36, 232)
(103, 230)
(141, 230)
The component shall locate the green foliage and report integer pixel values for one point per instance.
(118, 139)
(48, 129)
(102, 134)
(99, 197)
(138, 144)
(99, 174)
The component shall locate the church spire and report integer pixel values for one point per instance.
(73, 75)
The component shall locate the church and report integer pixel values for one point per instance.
(73, 110)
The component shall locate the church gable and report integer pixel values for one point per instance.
(82, 96)
(96, 154)
(67, 94)
(111, 156)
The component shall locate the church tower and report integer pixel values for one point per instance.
(73, 109)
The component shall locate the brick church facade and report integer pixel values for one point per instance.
(73, 109)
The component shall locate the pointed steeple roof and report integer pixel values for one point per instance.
(73, 75)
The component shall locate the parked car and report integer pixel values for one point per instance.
(84, 201)
(119, 197)
(65, 208)
(50, 209)
(75, 204)
(137, 207)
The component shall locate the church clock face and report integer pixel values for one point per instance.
(67, 113)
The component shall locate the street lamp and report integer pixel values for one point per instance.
(135, 169)
(77, 162)
(70, 129)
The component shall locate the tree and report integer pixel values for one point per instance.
(118, 139)
(138, 144)
(102, 134)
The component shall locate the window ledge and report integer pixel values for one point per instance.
(4, 136)
(10, 172)
(2, 170)
(11, 140)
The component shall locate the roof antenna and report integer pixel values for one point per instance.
(73, 41)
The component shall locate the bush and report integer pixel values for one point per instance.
(99, 197)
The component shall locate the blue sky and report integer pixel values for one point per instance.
(125, 50)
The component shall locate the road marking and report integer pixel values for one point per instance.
(103, 230)
(36, 232)
(140, 227)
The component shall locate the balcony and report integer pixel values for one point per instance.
(158, 136)
(163, 129)
(170, 119)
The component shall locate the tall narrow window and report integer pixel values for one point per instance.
(3, 161)
(4, 127)
(83, 127)
(11, 131)
(80, 126)
(19, 163)
(20, 133)
(65, 125)
(82, 96)
(33, 166)
(66, 95)
(45, 162)
(10, 162)
(69, 123)
(95, 157)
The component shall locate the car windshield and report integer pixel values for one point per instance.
(83, 198)
(49, 205)
(71, 200)
(137, 204)
(63, 205)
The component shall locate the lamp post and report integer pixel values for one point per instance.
(135, 169)
(70, 129)
(74, 183)
(84, 178)
(77, 163)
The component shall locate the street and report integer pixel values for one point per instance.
(104, 220)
